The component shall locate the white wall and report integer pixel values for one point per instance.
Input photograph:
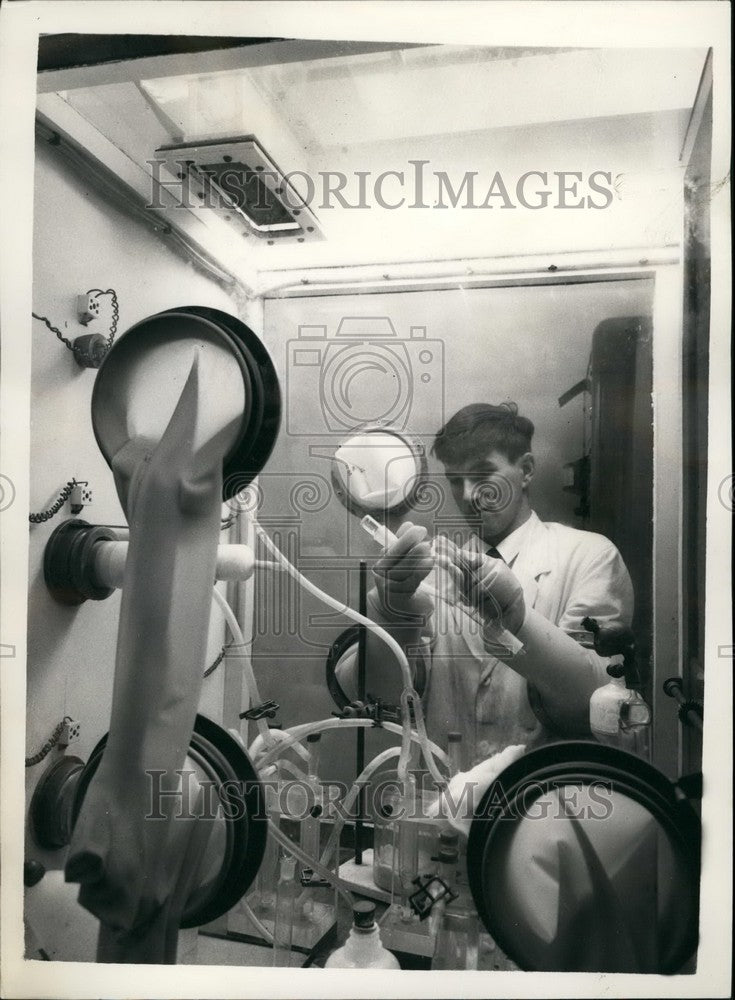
(82, 243)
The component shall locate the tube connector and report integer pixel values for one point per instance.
(84, 562)
(234, 562)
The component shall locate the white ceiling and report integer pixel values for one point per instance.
(461, 108)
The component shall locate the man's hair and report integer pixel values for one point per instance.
(480, 428)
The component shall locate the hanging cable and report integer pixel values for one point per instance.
(114, 319)
(54, 329)
(46, 515)
(216, 662)
(114, 308)
(50, 743)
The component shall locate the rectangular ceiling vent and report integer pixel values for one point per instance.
(238, 180)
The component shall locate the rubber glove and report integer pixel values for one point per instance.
(129, 866)
(488, 586)
(398, 574)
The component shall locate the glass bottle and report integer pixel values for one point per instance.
(404, 834)
(457, 940)
(363, 949)
(408, 838)
(619, 716)
(454, 921)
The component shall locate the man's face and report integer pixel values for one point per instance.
(490, 491)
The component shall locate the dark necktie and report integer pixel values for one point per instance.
(492, 551)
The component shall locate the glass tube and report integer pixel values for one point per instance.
(408, 840)
(285, 913)
(309, 833)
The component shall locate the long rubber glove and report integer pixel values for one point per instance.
(172, 499)
(395, 604)
(560, 669)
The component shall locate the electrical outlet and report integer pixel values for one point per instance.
(80, 497)
(70, 733)
(88, 308)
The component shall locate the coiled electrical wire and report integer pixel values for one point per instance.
(115, 310)
(49, 744)
(46, 515)
(216, 662)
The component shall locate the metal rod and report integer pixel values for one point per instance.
(360, 763)
(467, 272)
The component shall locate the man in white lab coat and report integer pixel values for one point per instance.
(537, 579)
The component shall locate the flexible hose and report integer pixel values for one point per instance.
(290, 738)
(350, 798)
(49, 745)
(409, 697)
(251, 683)
(336, 605)
(437, 751)
(260, 927)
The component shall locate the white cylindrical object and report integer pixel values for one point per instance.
(606, 706)
(234, 562)
(382, 535)
(363, 948)
(109, 563)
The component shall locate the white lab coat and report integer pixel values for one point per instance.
(566, 575)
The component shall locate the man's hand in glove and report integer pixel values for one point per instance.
(487, 585)
(400, 571)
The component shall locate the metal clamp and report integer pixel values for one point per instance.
(310, 880)
(355, 710)
(381, 713)
(265, 711)
(375, 710)
(431, 888)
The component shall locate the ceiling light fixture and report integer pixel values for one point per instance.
(237, 179)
